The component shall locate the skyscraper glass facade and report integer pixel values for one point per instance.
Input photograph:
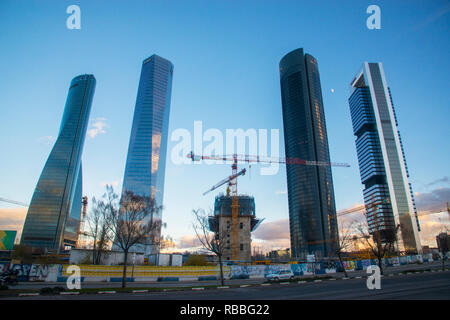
(387, 193)
(312, 211)
(54, 213)
(146, 159)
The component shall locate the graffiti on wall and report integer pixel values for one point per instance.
(31, 272)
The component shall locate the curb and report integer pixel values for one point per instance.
(69, 293)
(28, 294)
(106, 292)
(195, 289)
(224, 287)
(139, 291)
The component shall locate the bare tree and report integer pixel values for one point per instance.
(377, 242)
(98, 230)
(214, 242)
(344, 243)
(131, 222)
(443, 246)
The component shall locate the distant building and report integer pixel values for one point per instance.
(221, 224)
(387, 193)
(146, 159)
(312, 210)
(279, 255)
(53, 216)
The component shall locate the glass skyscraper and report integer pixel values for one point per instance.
(312, 212)
(146, 160)
(54, 213)
(387, 193)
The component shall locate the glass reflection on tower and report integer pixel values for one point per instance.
(146, 159)
(54, 213)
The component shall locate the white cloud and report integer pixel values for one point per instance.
(273, 230)
(97, 127)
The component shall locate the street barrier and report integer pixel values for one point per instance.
(58, 273)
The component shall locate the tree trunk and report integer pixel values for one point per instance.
(124, 277)
(94, 252)
(342, 264)
(380, 264)
(443, 261)
(221, 270)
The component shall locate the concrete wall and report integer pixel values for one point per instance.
(79, 256)
(142, 273)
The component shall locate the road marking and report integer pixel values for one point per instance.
(301, 282)
(317, 280)
(345, 278)
(265, 284)
(139, 291)
(284, 282)
(102, 292)
(201, 288)
(244, 285)
(28, 294)
(224, 287)
(69, 292)
(332, 279)
(358, 277)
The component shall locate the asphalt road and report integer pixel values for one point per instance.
(428, 285)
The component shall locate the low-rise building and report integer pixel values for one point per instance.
(221, 224)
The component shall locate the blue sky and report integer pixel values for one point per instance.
(226, 56)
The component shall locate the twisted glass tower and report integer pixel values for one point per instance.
(312, 212)
(146, 159)
(54, 213)
(387, 193)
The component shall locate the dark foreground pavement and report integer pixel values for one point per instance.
(428, 285)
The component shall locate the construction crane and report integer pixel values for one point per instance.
(226, 180)
(14, 202)
(232, 182)
(363, 207)
(84, 202)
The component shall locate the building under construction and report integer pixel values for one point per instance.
(220, 223)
